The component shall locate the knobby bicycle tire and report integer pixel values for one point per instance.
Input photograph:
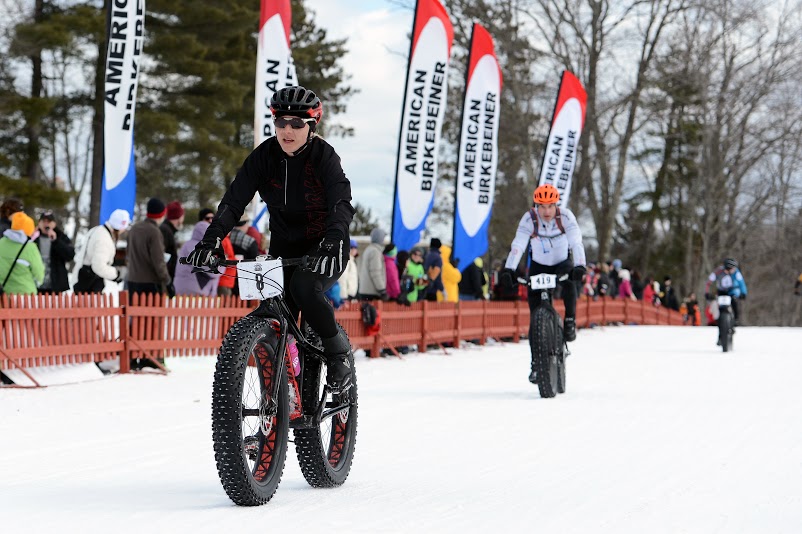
(545, 349)
(326, 452)
(250, 449)
(725, 331)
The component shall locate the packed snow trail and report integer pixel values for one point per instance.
(659, 431)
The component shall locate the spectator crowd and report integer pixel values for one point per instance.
(35, 257)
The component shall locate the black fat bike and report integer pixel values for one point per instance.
(546, 339)
(726, 322)
(257, 397)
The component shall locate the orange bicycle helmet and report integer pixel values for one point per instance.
(546, 194)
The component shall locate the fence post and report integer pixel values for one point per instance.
(626, 310)
(484, 322)
(604, 310)
(458, 332)
(125, 360)
(377, 346)
(516, 336)
(424, 327)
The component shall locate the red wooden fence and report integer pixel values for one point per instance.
(43, 330)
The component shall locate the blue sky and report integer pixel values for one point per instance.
(377, 39)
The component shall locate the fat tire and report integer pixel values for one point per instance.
(317, 449)
(724, 330)
(238, 478)
(544, 351)
(561, 372)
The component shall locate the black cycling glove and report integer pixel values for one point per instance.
(330, 258)
(204, 251)
(506, 279)
(578, 272)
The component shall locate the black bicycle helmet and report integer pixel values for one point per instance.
(730, 263)
(296, 101)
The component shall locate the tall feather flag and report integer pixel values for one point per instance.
(274, 66)
(477, 159)
(559, 158)
(421, 121)
(274, 70)
(125, 36)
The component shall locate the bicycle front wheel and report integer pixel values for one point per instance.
(546, 350)
(249, 425)
(326, 451)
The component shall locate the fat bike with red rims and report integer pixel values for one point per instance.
(726, 322)
(263, 387)
(546, 339)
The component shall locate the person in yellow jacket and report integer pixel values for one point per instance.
(451, 277)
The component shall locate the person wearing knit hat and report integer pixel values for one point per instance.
(21, 221)
(433, 266)
(206, 214)
(147, 262)
(377, 235)
(371, 271)
(156, 209)
(119, 220)
(96, 264)
(21, 267)
(175, 220)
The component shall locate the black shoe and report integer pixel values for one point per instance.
(338, 373)
(570, 329)
(338, 363)
(533, 376)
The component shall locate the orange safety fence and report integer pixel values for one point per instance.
(45, 330)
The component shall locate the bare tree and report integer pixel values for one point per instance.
(599, 41)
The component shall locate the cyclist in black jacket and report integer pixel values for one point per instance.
(308, 197)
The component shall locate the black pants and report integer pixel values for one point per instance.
(568, 286)
(305, 290)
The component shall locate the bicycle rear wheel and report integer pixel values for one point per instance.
(545, 350)
(250, 428)
(326, 451)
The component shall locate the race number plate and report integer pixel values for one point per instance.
(260, 280)
(543, 281)
(724, 300)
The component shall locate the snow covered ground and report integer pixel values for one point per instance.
(659, 432)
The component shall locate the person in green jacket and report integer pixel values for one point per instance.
(415, 271)
(28, 271)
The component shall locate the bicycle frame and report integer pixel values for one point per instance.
(276, 309)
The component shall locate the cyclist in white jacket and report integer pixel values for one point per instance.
(555, 241)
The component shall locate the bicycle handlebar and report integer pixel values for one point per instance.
(215, 262)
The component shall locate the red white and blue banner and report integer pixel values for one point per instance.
(126, 36)
(477, 158)
(274, 66)
(421, 121)
(566, 127)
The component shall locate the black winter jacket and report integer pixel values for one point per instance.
(473, 278)
(307, 195)
(62, 252)
(168, 233)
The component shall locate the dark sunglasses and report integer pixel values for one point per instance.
(209, 218)
(295, 122)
